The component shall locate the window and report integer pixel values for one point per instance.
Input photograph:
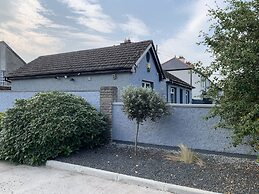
(173, 95)
(181, 96)
(147, 84)
(203, 84)
(187, 97)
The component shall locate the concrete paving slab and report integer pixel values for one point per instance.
(21, 179)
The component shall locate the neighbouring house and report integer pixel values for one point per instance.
(9, 62)
(178, 91)
(135, 64)
(184, 70)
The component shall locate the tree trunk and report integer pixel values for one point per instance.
(136, 139)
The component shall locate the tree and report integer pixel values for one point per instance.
(141, 104)
(234, 42)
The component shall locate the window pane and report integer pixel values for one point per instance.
(181, 96)
(146, 84)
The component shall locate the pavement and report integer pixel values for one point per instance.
(21, 179)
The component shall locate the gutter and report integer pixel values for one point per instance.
(78, 73)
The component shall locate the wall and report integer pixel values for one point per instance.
(184, 75)
(7, 98)
(9, 61)
(13, 61)
(81, 83)
(186, 125)
(2, 56)
(152, 76)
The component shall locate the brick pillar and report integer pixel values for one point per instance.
(108, 95)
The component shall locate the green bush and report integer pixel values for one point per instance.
(48, 125)
(1, 118)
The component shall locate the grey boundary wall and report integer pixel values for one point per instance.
(186, 125)
(7, 98)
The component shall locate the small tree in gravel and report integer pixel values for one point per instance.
(141, 104)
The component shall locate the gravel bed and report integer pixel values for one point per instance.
(219, 173)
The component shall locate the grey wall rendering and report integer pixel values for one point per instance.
(186, 125)
(7, 98)
(142, 74)
(80, 83)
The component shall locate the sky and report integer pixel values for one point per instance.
(40, 27)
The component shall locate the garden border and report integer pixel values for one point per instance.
(176, 189)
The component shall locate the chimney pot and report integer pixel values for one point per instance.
(126, 41)
(181, 58)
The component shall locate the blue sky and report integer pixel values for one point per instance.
(40, 27)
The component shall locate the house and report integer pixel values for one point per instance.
(122, 65)
(178, 91)
(129, 63)
(184, 70)
(9, 62)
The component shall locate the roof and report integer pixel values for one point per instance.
(177, 81)
(175, 64)
(120, 58)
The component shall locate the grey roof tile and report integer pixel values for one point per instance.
(175, 64)
(120, 57)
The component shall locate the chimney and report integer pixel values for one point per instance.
(181, 58)
(126, 41)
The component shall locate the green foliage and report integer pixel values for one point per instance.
(1, 118)
(50, 124)
(141, 104)
(234, 42)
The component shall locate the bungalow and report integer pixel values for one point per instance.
(135, 64)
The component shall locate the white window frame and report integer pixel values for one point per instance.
(147, 84)
(174, 92)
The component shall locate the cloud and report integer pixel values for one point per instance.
(85, 40)
(31, 33)
(184, 42)
(22, 30)
(135, 28)
(91, 15)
